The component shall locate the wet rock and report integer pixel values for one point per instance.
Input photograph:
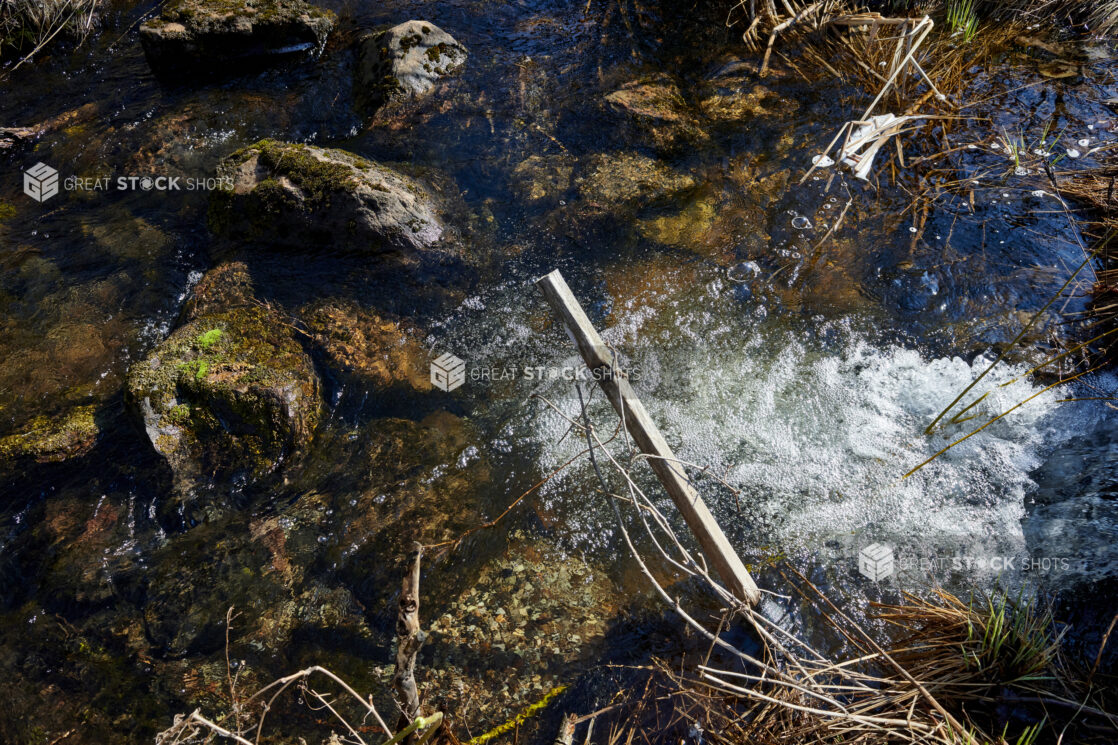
(689, 228)
(631, 180)
(51, 440)
(228, 393)
(211, 34)
(300, 196)
(738, 98)
(655, 108)
(406, 61)
(94, 535)
(542, 178)
(222, 288)
(187, 598)
(127, 237)
(380, 350)
(529, 619)
(419, 481)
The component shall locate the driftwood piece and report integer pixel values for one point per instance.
(12, 136)
(409, 638)
(644, 431)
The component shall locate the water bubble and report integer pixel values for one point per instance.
(1020, 171)
(744, 271)
(1005, 195)
(800, 222)
(1073, 153)
(912, 228)
(995, 146)
(1084, 142)
(1039, 193)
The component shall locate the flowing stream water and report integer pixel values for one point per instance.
(801, 365)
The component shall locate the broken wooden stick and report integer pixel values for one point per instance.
(409, 638)
(664, 464)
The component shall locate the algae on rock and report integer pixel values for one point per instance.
(230, 392)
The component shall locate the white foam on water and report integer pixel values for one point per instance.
(816, 427)
(818, 438)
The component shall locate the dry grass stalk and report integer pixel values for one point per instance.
(29, 26)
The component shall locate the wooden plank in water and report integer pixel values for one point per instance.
(644, 431)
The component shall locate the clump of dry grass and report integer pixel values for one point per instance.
(28, 26)
(986, 672)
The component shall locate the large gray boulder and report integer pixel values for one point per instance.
(302, 196)
(405, 62)
(209, 34)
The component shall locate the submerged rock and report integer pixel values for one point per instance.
(50, 440)
(228, 393)
(406, 61)
(631, 180)
(540, 178)
(380, 350)
(531, 618)
(657, 111)
(738, 98)
(301, 196)
(210, 34)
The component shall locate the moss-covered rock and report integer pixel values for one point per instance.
(50, 440)
(229, 393)
(303, 196)
(406, 61)
(209, 34)
(656, 111)
(380, 350)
